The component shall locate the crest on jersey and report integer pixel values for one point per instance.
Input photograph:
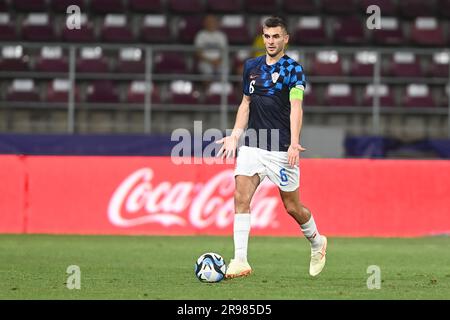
(275, 76)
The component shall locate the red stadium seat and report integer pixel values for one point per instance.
(58, 91)
(390, 33)
(186, 6)
(418, 95)
(13, 59)
(136, 93)
(444, 8)
(3, 6)
(300, 6)
(182, 92)
(214, 93)
(310, 31)
(349, 31)
(38, 27)
(426, 31)
(326, 63)
(336, 7)
(170, 62)
(116, 29)
(84, 34)
(416, 8)
(261, 6)
(384, 92)
(235, 28)
(339, 95)
(52, 59)
(146, 5)
(7, 28)
(131, 60)
(155, 29)
(220, 6)
(107, 6)
(102, 91)
(22, 90)
(363, 64)
(404, 64)
(439, 66)
(310, 98)
(188, 27)
(92, 60)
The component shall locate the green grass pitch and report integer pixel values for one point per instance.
(148, 267)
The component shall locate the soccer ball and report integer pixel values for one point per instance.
(210, 267)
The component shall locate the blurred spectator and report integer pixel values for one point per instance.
(209, 42)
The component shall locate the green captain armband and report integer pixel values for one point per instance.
(296, 93)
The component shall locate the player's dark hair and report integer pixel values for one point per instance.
(274, 22)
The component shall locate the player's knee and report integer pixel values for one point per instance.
(241, 201)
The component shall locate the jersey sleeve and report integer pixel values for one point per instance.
(245, 79)
(297, 78)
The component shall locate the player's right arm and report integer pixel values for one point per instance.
(230, 142)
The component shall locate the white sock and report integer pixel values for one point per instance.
(311, 233)
(241, 230)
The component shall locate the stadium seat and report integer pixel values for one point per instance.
(336, 7)
(131, 61)
(326, 63)
(52, 59)
(384, 92)
(239, 59)
(416, 8)
(155, 29)
(7, 28)
(426, 31)
(404, 64)
(170, 62)
(310, 31)
(390, 32)
(182, 92)
(30, 5)
(107, 6)
(116, 29)
(363, 64)
(310, 98)
(418, 95)
(136, 92)
(349, 31)
(92, 60)
(22, 90)
(58, 91)
(220, 6)
(387, 7)
(3, 6)
(84, 34)
(38, 27)
(214, 93)
(102, 91)
(60, 6)
(300, 6)
(13, 59)
(188, 27)
(439, 66)
(339, 95)
(261, 6)
(186, 6)
(236, 30)
(146, 5)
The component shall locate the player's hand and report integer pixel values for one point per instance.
(229, 147)
(294, 154)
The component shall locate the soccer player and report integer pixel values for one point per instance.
(273, 86)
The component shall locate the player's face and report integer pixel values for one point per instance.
(275, 39)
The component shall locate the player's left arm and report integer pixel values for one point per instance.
(296, 119)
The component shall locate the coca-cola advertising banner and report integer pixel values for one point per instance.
(154, 196)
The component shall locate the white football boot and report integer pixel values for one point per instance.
(318, 259)
(237, 269)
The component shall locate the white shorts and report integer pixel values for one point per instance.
(274, 164)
